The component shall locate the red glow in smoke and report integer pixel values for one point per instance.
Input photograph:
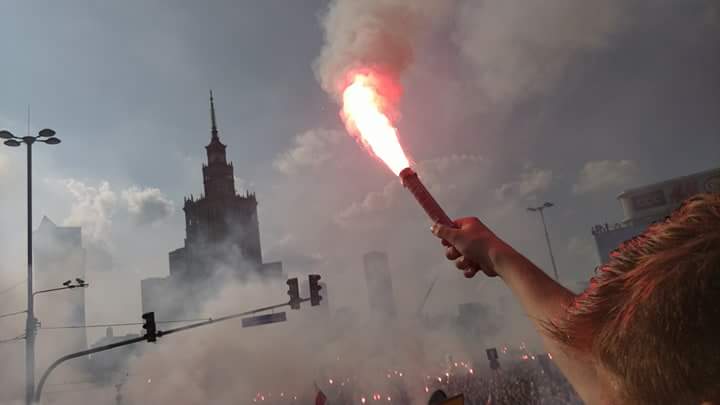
(367, 105)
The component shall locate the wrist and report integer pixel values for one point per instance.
(500, 256)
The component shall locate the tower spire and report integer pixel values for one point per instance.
(214, 130)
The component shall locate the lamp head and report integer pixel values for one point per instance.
(46, 133)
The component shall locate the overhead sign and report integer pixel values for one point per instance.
(263, 319)
(660, 199)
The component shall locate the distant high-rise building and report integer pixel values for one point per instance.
(379, 284)
(647, 204)
(222, 240)
(59, 256)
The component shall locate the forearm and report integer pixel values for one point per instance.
(541, 296)
(544, 300)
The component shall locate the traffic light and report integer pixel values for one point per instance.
(315, 288)
(294, 293)
(150, 327)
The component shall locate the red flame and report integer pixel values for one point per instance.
(364, 111)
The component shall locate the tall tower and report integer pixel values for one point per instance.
(218, 178)
(222, 229)
(222, 240)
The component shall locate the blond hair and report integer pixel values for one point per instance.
(651, 316)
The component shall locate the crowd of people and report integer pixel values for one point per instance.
(521, 380)
(530, 381)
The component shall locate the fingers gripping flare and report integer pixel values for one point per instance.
(470, 273)
(450, 252)
(444, 227)
(468, 268)
(450, 238)
(447, 234)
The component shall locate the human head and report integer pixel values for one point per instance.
(651, 316)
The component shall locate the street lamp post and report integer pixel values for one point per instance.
(47, 136)
(540, 209)
(68, 285)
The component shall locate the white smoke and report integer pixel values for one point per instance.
(148, 205)
(605, 175)
(514, 49)
(92, 208)
(379, 34)
(226, 363)
(518, 49)
(312, 149)
(531, 182)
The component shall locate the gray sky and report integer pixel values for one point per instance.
(506, 105)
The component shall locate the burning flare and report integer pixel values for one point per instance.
(364, 108)
(364, 117)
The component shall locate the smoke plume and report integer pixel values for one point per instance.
(513, 49)
(517, 49)
(380, 35)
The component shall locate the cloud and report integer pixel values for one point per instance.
(603, 175)
(92, 207)
(453, 170)
(310, 149)
(450, 179)
(148, 205)
(374, 210)
(529, 183)
(517, 49)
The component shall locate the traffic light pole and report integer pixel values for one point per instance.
(162, 333)
(159, 333)
(59, 361)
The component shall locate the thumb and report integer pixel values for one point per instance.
(446, 233)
